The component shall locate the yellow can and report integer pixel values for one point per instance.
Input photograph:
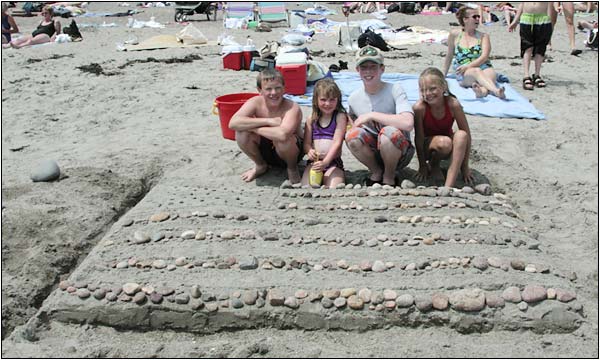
(315, 178)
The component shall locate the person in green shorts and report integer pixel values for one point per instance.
(535, 29)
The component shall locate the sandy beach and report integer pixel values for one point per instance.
(138, 137)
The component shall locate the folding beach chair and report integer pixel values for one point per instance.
(272, 12)
(239, 10)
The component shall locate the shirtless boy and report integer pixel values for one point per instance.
(266, 128)
(535, 31)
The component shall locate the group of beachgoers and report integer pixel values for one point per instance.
(376, 128)
(377, 125)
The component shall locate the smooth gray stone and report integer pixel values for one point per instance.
(47, 170)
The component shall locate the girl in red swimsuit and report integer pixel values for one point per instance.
(435, 113)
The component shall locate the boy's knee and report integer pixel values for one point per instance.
(354, 143)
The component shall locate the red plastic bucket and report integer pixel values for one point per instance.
(227, 106)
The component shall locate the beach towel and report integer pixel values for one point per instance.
(163, 42)
(516, 105)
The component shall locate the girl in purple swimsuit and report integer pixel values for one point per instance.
(324, 133)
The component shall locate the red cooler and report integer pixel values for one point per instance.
(247, 53)
(293, 68)
(232, 57)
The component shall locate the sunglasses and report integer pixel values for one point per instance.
(368, 51)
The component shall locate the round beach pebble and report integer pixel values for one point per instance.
(467, 299)
(63, 285)
(512, 294)
(140, 237)
(494, 301)
(111, 296)
(131, 288)
(439, 301)
(156, 298)
(99, 294)
(378, 266)
(565, 295)
(424, 303)
(236, 303)
(355, 302)
(47, 170)
(484, 189)
(405, 300)
(159, 264)
(291, 302)
(162, 216)
(249, 297)
(534, 293)
(83, 293)
(139, 298)
(339, 302)
(188, 234)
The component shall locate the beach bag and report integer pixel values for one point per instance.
(408, 7)
(190, 35)
(392, 8)
(73, 31)
(269, 50)
(370, 37)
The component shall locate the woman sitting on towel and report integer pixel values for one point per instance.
(45, 32)
(470, 50)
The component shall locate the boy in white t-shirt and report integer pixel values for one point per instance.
(381, 118)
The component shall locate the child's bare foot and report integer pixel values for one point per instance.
(480, 91)
(255, 172)
(437, 176)
(294, 175)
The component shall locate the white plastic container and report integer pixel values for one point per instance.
(293, 58)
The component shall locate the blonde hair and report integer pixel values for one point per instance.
(328, 88)
(437, 76)
(269, 75)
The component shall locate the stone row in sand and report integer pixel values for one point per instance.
(144, 237)
(465, 300)
(377, 266)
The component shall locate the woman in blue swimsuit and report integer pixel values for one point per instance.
(45, 32)
(469, 51)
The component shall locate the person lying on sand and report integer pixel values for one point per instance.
(45, 32)
(267, 127)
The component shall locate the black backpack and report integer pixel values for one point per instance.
(370, 37)
(73, 31)
(393, 8)
(408, 7)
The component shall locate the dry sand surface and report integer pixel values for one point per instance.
(140, 139)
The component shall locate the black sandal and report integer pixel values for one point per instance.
(370, 182)
(538, 81)
(527, 83)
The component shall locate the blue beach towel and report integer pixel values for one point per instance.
(516, 105)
